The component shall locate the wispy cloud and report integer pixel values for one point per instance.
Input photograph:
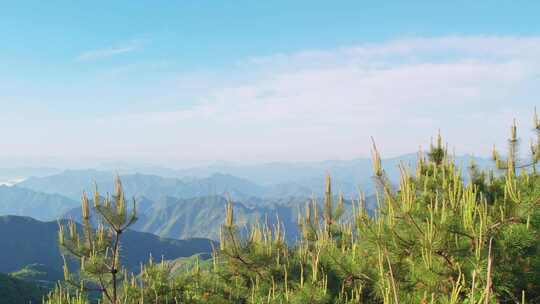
(323, 104)
(110, 51)
(320, 104)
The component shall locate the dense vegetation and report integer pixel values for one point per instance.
(25, 241)
(435, 238)
(39, 274)
(17, 291)
(203, 216)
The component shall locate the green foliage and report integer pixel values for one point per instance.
(38, 274)
(61, 295)
(435, 238)
(15, 291)
(25, 241)
(98, 251)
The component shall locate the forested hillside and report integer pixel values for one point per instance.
(16, 291)
(436, 237)
(269, 152)
(43, 206)
(25, 241)
(203, 216)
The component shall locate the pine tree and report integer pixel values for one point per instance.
(436, 237)
(98, 251)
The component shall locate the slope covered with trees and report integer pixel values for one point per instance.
(17, 291)
(25, 202)
(25, 241)
(435, 238)
(203, 216)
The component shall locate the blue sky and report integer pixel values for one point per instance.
(178, 82)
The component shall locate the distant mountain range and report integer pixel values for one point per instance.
(16, 200)
(162, 214)
(190, 202)
(172, 205)
(25, 241)
(17, 173)
(269, 180)
(72, 183)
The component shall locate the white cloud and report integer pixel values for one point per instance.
(110, 51)
(322, 104)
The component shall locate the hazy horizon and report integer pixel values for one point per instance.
(112, 165)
